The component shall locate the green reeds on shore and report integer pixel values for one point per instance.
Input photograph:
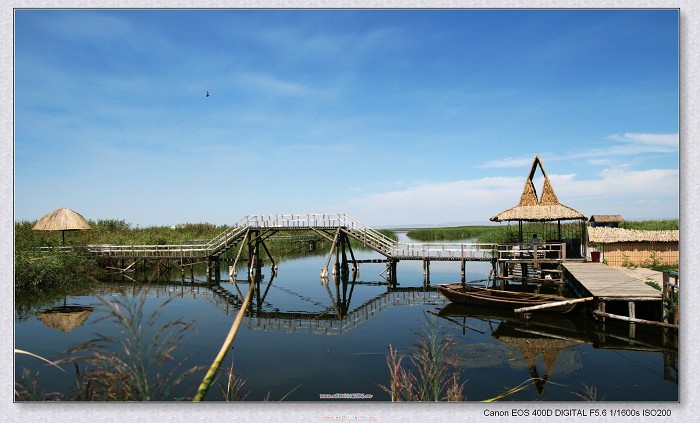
(135, 365)
(449, 234)
(651, 225)
(432, 374)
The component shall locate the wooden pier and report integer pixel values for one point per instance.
(616, 295)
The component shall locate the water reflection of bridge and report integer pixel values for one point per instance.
(335, 316)
(337, 319)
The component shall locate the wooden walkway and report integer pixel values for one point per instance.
(607, 283)
(617, 295)
(322, 224)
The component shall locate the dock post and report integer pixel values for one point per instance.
(345, 243)
(426, 271)
(631, 308)
(464, 268)
(391, 272)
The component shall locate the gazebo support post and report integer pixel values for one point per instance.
(520, 231)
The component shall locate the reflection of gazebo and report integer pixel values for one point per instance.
(63, 220)
(546, 208)
(65, 318)
(532, 347)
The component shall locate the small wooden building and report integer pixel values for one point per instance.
(609, 220)
(630, 247)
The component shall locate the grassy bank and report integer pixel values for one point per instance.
(449, 234)
(38, 271)
(651, 225)
(509, 233)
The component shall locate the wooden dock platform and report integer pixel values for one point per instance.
(617, 295)
(607, 283)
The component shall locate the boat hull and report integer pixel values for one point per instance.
(485, 297)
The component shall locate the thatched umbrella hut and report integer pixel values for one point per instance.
(63, 220)
(546, 208)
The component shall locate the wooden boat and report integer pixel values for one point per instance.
(486, 297)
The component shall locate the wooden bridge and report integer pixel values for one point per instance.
(307, 222)
(253, 230)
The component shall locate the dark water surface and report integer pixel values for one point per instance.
(295, 347)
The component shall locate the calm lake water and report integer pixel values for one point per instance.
(296, 346)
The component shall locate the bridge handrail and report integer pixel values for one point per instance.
(181, 250)
(319, 220)
(377, 236)
(446, 250)
(222, 239)
(506, 250)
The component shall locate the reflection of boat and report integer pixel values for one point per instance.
(473, 295)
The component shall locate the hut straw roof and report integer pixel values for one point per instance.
(62, 219)
(604, 235)
(545, 208)
(606, 218)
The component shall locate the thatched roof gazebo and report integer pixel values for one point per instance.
(546, 208)
(63, 220)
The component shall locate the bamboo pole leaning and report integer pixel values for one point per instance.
(550, 305)
(209, 377)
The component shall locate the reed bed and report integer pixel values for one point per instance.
(135, 365)
(431, 375)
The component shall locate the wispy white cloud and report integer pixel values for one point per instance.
(267, 83)
(508, 162)
(633, 193)
(627, 144)
(658, 140)
(88, 26)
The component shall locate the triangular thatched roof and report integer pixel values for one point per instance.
(62, 219)
(545, 208)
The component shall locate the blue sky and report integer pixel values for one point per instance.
(396, 117)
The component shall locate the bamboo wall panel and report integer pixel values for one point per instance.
(637, 253)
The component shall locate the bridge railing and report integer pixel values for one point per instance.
(224, 239)
(373, 236)
(472, 251)
(320, 221)
(156, 251)
(541, 250)
(292, 220)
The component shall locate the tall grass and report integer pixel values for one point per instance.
(651, 225)
(449, 234)
(432, 374)
(135, 365)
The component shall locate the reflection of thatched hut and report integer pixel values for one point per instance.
(621, 247)
(546, 208)
(532, 346)
(63, 220)
(65, 318)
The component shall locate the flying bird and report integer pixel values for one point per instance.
(207, 94)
